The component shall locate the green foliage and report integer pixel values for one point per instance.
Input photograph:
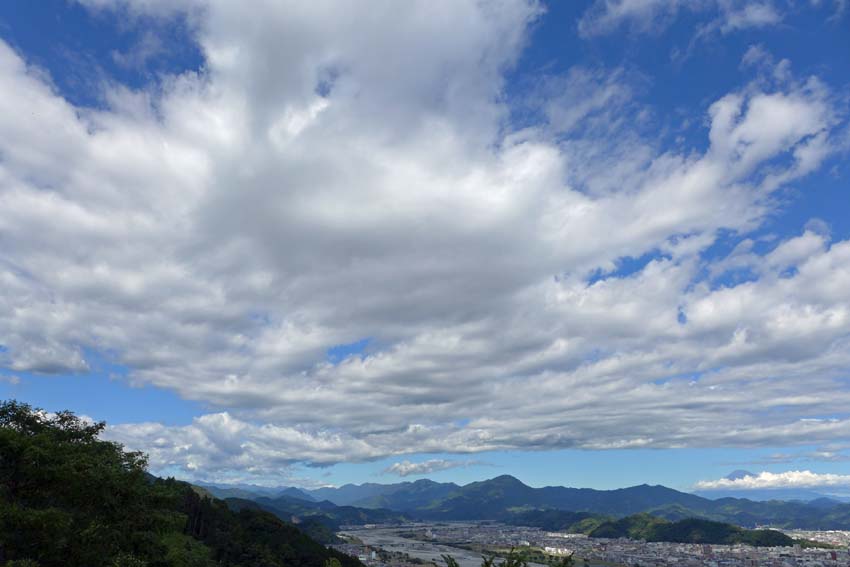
(185, 551)
(566, 561)
(639, 526)
(512, 559)
(318, 530)
(70, 499)
(128, 560)
(557, 520)
(690, 530)
(66, 497)
(649, 527)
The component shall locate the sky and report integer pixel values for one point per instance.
(594, 243)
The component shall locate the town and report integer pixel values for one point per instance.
(409, 545)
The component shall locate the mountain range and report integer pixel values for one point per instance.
(505, 498)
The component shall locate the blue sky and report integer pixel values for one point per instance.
(589, 243)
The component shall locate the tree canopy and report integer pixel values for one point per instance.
(69, 498)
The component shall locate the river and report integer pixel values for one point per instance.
(389, 540)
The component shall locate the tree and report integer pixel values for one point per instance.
(71, 499)
(513, 559)
(67, 497)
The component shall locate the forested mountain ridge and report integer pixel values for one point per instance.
(319, 519)
(402, 496)
(70, 499)
(651, 528)
(500, 498)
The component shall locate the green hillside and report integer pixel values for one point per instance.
(691, 530)
(69, 499)
(648, 527)
(332, 515)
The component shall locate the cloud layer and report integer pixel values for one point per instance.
(331, 177)
(769, 480)
(407, 468)
(652, 16)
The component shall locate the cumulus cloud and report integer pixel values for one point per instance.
(769, 480)
(332, 176)
(407, 468)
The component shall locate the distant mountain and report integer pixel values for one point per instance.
(252, 491)
(296, 493)
(762, 495)
(825, 502)
(409, 496)
(348, 494)
(488, 499)
(505, 498)
(297, 510)
(494, 498)
(402, 496)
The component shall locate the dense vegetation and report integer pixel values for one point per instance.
(516, 558)
(68, 498)
(650, 528)
(692, 530)
(320, 527)
(557, 520)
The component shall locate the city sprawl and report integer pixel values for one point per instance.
(423, 544)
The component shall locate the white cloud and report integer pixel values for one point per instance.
(333, 176)
(650, 16)
(148, 47)
(769, 480)
(407, 468)
(748, 15)
(10, 379)
(605, 16)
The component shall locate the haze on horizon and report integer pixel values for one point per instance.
(594, 243)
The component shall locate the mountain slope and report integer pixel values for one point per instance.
(409, 496)
(650, 528)
(503, 497)
(491, 499)
(328, 513)
(69, 499)
(762, 495)
(251, 491)
(402, 496)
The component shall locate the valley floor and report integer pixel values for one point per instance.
(424, 544)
